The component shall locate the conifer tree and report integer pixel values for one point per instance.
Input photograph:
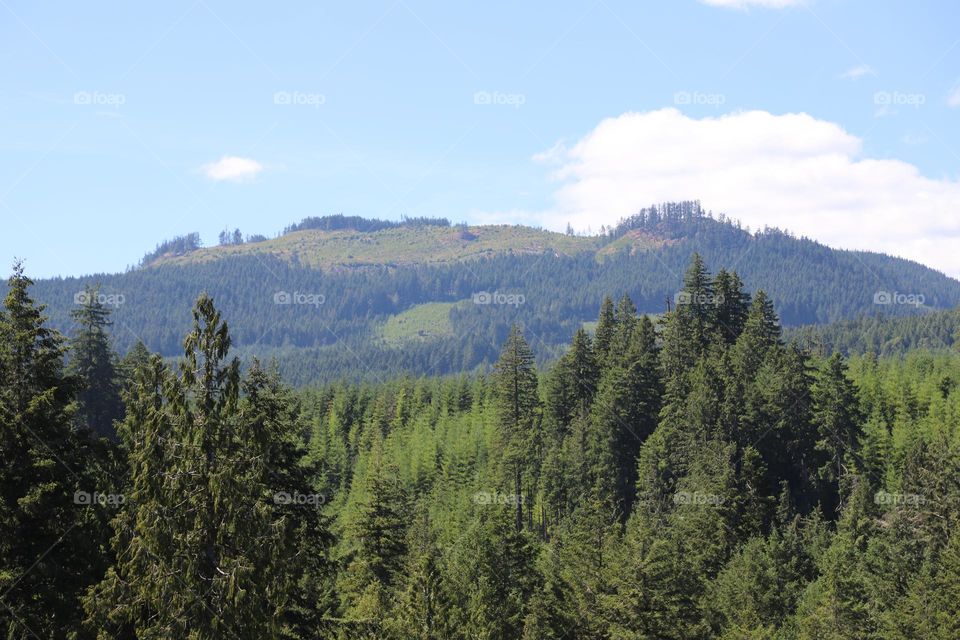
(50, 533)
(422, 610)
(606, 327)
(838, 421)
(196, 539)
(92, 361)
(378, 535)
(733, 305)
(517, 404)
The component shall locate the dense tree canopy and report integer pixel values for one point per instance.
(683, 476)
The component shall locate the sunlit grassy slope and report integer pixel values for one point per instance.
(398, 246)
(422, 322)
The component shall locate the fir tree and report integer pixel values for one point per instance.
(50, 542)
(92, 361)
(606, 327)
(196, 538)
(517, 403)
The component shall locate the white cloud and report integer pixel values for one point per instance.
(232, 168)
(791, 171)
(953, 99)
(746, 4)
(857, 72)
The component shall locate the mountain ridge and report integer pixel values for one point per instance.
(328, 299)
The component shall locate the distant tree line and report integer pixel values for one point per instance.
(811, 284)
(693, 477)
(339, 222)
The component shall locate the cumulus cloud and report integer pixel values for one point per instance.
(857, 72)
(746, 4)
(232, 168)
(791, 171)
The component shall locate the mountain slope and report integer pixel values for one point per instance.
(398, 246)
(883, 336)
(327, 300)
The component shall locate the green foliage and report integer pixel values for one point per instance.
(693, 478)
(92, 361)
(374, 282)
(51, 531)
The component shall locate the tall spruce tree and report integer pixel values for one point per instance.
(517, 408)
(606, 327)
(378, 539)
(197, 539)
(93, 362)
(838, 420)
(50, 534)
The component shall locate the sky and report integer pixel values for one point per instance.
(123, 124)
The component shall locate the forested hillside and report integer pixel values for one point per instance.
(325, 297)
(689, 478)
(883, 335)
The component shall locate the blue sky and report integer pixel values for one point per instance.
(122, 124)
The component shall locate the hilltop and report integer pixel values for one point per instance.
(344, 296)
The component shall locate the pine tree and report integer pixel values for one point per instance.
(624, 415)
(836, 605)
(92, 361)
(50, 542)
(606, 327)
(269, 410)
(931, 609)
(196, 539)
(625, 319)
(838, 420)
(733, 305)
(551, 614)
(517, 404)
(697, 302)
(571, 385)
(495, 571)
(378, 534)
(422, 611)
